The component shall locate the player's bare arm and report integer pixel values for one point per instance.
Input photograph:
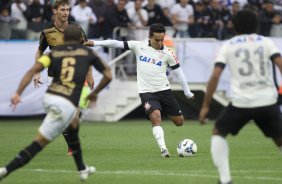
(278, 62)
(89, 78)
(211, 87)
(107, 77)
(37, 76)
(37, 67)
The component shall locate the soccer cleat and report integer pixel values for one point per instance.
(69, 152)
(3, 172)
(165, 153)
(86, 172)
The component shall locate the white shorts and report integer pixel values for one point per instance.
(60, 113)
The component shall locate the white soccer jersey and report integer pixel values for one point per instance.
(248, 57)
(152, 66)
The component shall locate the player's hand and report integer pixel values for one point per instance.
(36, 80)
(89, 43)
(92, 97)
(203, 114)
(90, 83)
(190, 96)
(15, 100)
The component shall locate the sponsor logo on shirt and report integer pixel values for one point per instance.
(243, 39)
(150, 60)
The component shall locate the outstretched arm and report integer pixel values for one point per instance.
(107, 77)
(105, 43)
(211, 87)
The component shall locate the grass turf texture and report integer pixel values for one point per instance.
(126, 153)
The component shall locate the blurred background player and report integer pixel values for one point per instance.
(254, 93)
(70, 64)
(153, 59)
(52, 36)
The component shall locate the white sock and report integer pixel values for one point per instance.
(220, 157)
(159, 136)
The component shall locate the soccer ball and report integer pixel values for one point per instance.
(186, 148)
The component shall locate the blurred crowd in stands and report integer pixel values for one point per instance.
(24, 19)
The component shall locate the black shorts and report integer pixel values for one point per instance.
(162, 100)
(267, 118)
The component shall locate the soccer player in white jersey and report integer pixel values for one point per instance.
(153, 59)
(249, 58)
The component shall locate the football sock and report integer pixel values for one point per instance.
(24, 156)
(159, 136)
(67, 137)
(220, 157)
(76, 149)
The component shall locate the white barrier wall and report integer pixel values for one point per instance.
(196, 57)
(16, 57)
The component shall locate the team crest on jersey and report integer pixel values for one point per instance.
(147, 106)
(150, 60)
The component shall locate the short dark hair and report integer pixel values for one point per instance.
(156, 28)
(57, 3)
(72, 33)
(245, 22)
(268, 1)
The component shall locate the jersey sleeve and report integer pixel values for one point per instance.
(43, 44)
(272, 48)
(132, 45)
(45, 61)
(173, 61)
(221, 54)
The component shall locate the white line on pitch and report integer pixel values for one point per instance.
(192, 173)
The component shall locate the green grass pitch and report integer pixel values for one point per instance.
(125, 152)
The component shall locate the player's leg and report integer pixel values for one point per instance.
(177, 120)
(152, 110)
(84, 170)
(231, 120)
(171, 107)
(158, 132)
(65, 134)
(24, 156)
(269, 120)
(80, 116)
(66, 131)
(59, 114)
(220, 156)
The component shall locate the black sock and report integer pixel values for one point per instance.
(76, 149)
(24, 156)
(67, 137)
